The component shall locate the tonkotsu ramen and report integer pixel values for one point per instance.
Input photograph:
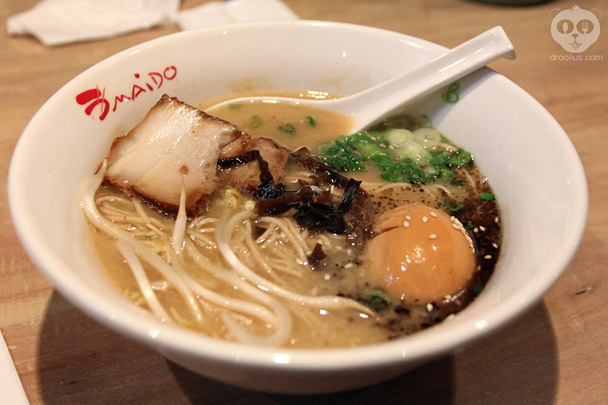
(266, 224)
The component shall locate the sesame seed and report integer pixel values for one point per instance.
(487, 257)
(408, 217)
(327, 276)
(482, 229)
(432, 236)
(349, 251)
(475, 230)
(433, 214)
(456, 226)
(495, 245)
(425, 219)
(429, 307)
(496, 219)
(349, 265)
(406, 224)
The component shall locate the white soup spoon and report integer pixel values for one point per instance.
(372, 105)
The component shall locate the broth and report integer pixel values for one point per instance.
(279, 249)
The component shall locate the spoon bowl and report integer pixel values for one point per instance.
(372, 105)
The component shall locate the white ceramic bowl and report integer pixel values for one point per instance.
(529, 160)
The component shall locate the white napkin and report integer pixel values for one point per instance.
(10, 385)
(234, 11)
(56, 22)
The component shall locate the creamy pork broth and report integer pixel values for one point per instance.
(302, 266)
(293, 127)
(311, 327)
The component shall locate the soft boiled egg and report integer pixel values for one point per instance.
(420, 254)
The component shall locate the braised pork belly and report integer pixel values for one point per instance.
(177, 145)
(174, 145)
(247, 176)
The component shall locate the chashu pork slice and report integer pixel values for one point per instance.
(247, 176)
(174, 144)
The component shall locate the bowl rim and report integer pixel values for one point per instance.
(415, 347)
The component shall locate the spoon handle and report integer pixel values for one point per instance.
(378, 102)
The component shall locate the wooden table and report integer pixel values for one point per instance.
(556, 353)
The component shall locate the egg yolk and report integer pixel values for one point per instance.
(420, 253)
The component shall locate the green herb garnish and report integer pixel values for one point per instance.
(377, 300)
(256, 121)
(452, 207)
(339, 154)
(288, 129)
(399, 155)
(451, 94)
(487, 196)
(235, 106)
(311, 121)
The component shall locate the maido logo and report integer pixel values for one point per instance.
(575, 29)
(106, 103)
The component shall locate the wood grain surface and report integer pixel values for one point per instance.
(555, 354)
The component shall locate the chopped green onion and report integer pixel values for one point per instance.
(453, 207)
(235, 106)
(256, 121)
(487, 196)
(368, 150)
(451, 94)
(478, 289)
(382, 160)
(399, 154)
(311, 121)
(288, 129)
(377, 300)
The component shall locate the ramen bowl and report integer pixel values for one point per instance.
(543, 197)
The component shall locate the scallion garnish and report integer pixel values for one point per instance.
(398, 162)
(256, 121)
(451, 94)
(478, 289)
(452, 207)
(311, 121)
(487, 196)
(377, 300)
(288, 129)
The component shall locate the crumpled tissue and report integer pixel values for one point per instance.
(58, 22)
(234, 11)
